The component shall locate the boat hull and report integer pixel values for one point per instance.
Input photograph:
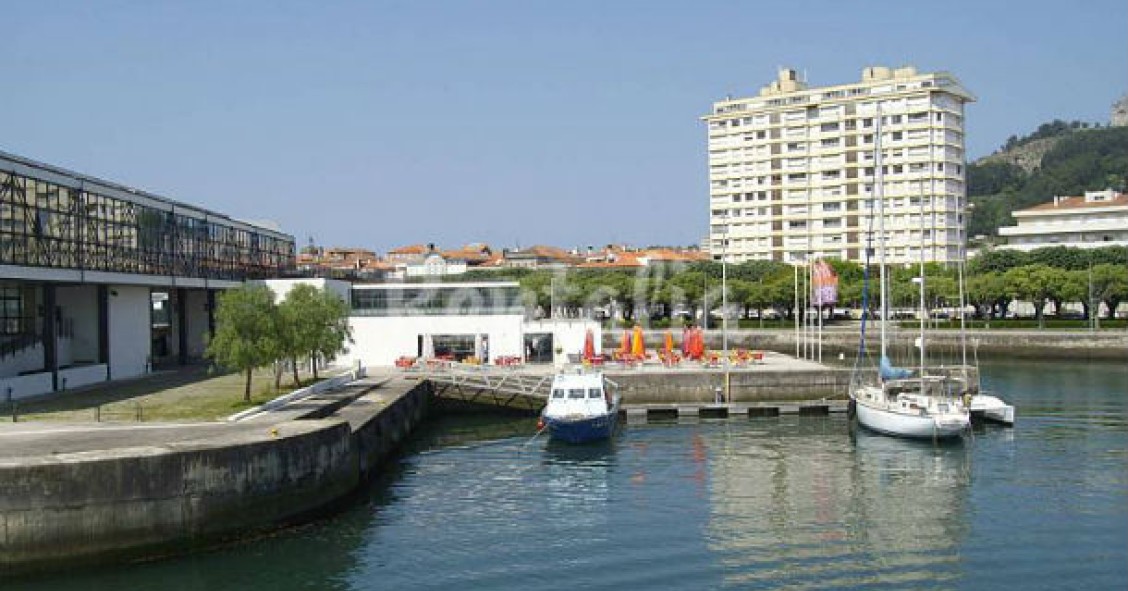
(581, 430)
(898, 424)
(991, 408)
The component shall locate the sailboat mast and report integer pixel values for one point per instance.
(879, 196)
(923, 307)
(961, 254)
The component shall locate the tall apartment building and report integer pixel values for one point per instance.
(791, 171)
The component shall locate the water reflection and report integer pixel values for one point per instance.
(804, 510)
(577, 483)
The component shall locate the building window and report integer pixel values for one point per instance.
(11, 310)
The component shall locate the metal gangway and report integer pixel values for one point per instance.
(510, 387)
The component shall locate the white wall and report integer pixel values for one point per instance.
(129, 330)
(196, 306)
(281, 287)
(84, 375)
(79, 305)
(381, 340)
(568, 335)
(24, 386)
(27, 359)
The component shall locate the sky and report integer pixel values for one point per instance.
(379, 124)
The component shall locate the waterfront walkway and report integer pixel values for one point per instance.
(57, 439)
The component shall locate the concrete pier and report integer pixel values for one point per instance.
(644, 413)
(86, 492)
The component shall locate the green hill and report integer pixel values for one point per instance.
(1058, 159)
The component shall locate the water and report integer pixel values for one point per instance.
(793, 503)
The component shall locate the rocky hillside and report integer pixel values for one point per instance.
(1059, 158)
(1027, 156)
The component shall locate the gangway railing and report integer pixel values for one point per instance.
(499, 386)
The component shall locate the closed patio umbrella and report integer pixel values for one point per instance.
(589, 345)
(637, 346)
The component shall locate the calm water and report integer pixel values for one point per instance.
(792, 503)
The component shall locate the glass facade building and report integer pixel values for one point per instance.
(58, 219)
(447, 299)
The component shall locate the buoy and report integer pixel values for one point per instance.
(274, 432)
(540, 424)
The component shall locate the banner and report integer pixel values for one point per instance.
(824, 284)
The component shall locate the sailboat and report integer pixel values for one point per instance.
(921, 403)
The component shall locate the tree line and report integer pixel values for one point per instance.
(993, 279)
(253, 329)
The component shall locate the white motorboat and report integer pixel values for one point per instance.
(581, 407)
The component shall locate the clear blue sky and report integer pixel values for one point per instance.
(379, 124)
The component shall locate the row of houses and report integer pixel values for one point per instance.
(420, 261)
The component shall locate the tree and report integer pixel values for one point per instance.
(1074, 287)
(1110, 285)
(245, 331)
(314, 324)
(333, 331)
(1033, 283)
(988, 291)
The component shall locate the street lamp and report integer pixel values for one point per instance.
(724, 305)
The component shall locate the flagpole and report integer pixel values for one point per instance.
(821, 303)
(795, 313)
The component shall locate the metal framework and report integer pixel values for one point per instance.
(56, 219)
(488, 385)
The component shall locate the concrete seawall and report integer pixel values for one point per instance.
(745, 385)
(82, 506)
(1107, 345)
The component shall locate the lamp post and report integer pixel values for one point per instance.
(724, 306)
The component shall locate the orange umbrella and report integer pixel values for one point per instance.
(625, 345)
(669, 343)
(637, 347)
(589, 345)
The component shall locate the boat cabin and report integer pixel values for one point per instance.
(583, 394)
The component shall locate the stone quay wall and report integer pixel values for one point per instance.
(143, 501)
(745, 385)
(1105, 345)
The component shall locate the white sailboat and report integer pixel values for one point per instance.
(925, 403)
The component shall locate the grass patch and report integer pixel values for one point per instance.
(187, 394)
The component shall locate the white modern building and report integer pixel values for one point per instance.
(433, 266)
(791, 171)
(485, 320)
(1099, 218)
(87, 266)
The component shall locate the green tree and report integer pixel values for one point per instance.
(313, 324)
(1074, 287)
(245, 331)
(988, 291)
(1033, 283)
(1110, 285)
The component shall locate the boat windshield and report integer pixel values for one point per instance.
(576, 393)
(594, 393)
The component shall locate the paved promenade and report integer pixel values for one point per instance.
(53, 441)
